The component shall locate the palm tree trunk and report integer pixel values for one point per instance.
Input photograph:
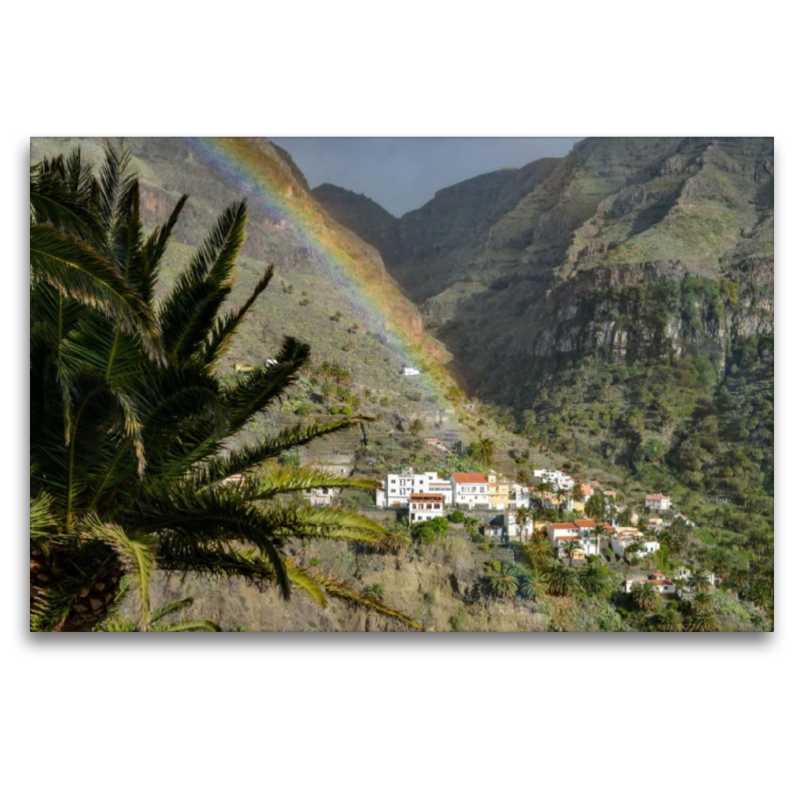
(94, 600)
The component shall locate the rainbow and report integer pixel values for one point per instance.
(267, 184)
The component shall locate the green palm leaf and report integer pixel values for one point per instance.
(81, 273)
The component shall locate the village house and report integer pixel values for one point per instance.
(662, 583)
(409, 371)
(515, 530)
(582, 530)
(321, 497)
(626, 537)
(437, 443)
(685, 574)
(337, 466)
(425, 506)
(552, 500)
(443, 487)
(495, 531)
(398, 487)
(657, 502)
(560, 533)
(499, 493)
(519, 496)
(586, 492)
(557, 477)
(470, 489)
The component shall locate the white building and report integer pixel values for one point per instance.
(441, 486)
(519, 496)
(663, 584)
(621, 541)
(398, 487)
(514, 529)
(581, 531)
(424, 506)
(559, 479)
(470, 489)
(321, 497)
(408, 371)
(658, 502)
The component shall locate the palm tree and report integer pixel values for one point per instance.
(484, 450)
(531, 583)
(593, 578)
(699, 582)
(539, 552)
(703, 620)
(646, 596)
(670, 620)
(501, 579)
(137, 462)
(569, 549)
(562, 580)
(562, 494)
(523, 515)
(545, 487)
(598, 532)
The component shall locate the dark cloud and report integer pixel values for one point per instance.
(402, 174)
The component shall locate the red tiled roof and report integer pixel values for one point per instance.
(563, 526)
(656, 497)
(469, 477)
(585, 523)
(564, 538)
(421, 497)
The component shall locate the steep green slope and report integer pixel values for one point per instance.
(621, 308)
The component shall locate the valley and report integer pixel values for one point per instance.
(609, 314)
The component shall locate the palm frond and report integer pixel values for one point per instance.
(170, 608)
(225, 328)
(247, 458)
(43, 522)
(307, 583)
(342, 591)
(135, 554)
(281, 480)
(185, 520)
(193, 625)
(83, 274)
(253, 393)
(188, 314)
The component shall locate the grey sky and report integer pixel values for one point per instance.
(402, 174)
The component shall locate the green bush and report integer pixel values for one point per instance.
(429, 531)
(456, 516)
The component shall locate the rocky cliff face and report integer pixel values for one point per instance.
(630, 249)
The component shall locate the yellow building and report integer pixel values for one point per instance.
(499, 492)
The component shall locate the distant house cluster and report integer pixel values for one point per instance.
(469, 490)
(426, 495)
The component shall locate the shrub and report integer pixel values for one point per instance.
(456, 516)
(458, 619)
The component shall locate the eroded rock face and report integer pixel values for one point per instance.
(626, 249)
